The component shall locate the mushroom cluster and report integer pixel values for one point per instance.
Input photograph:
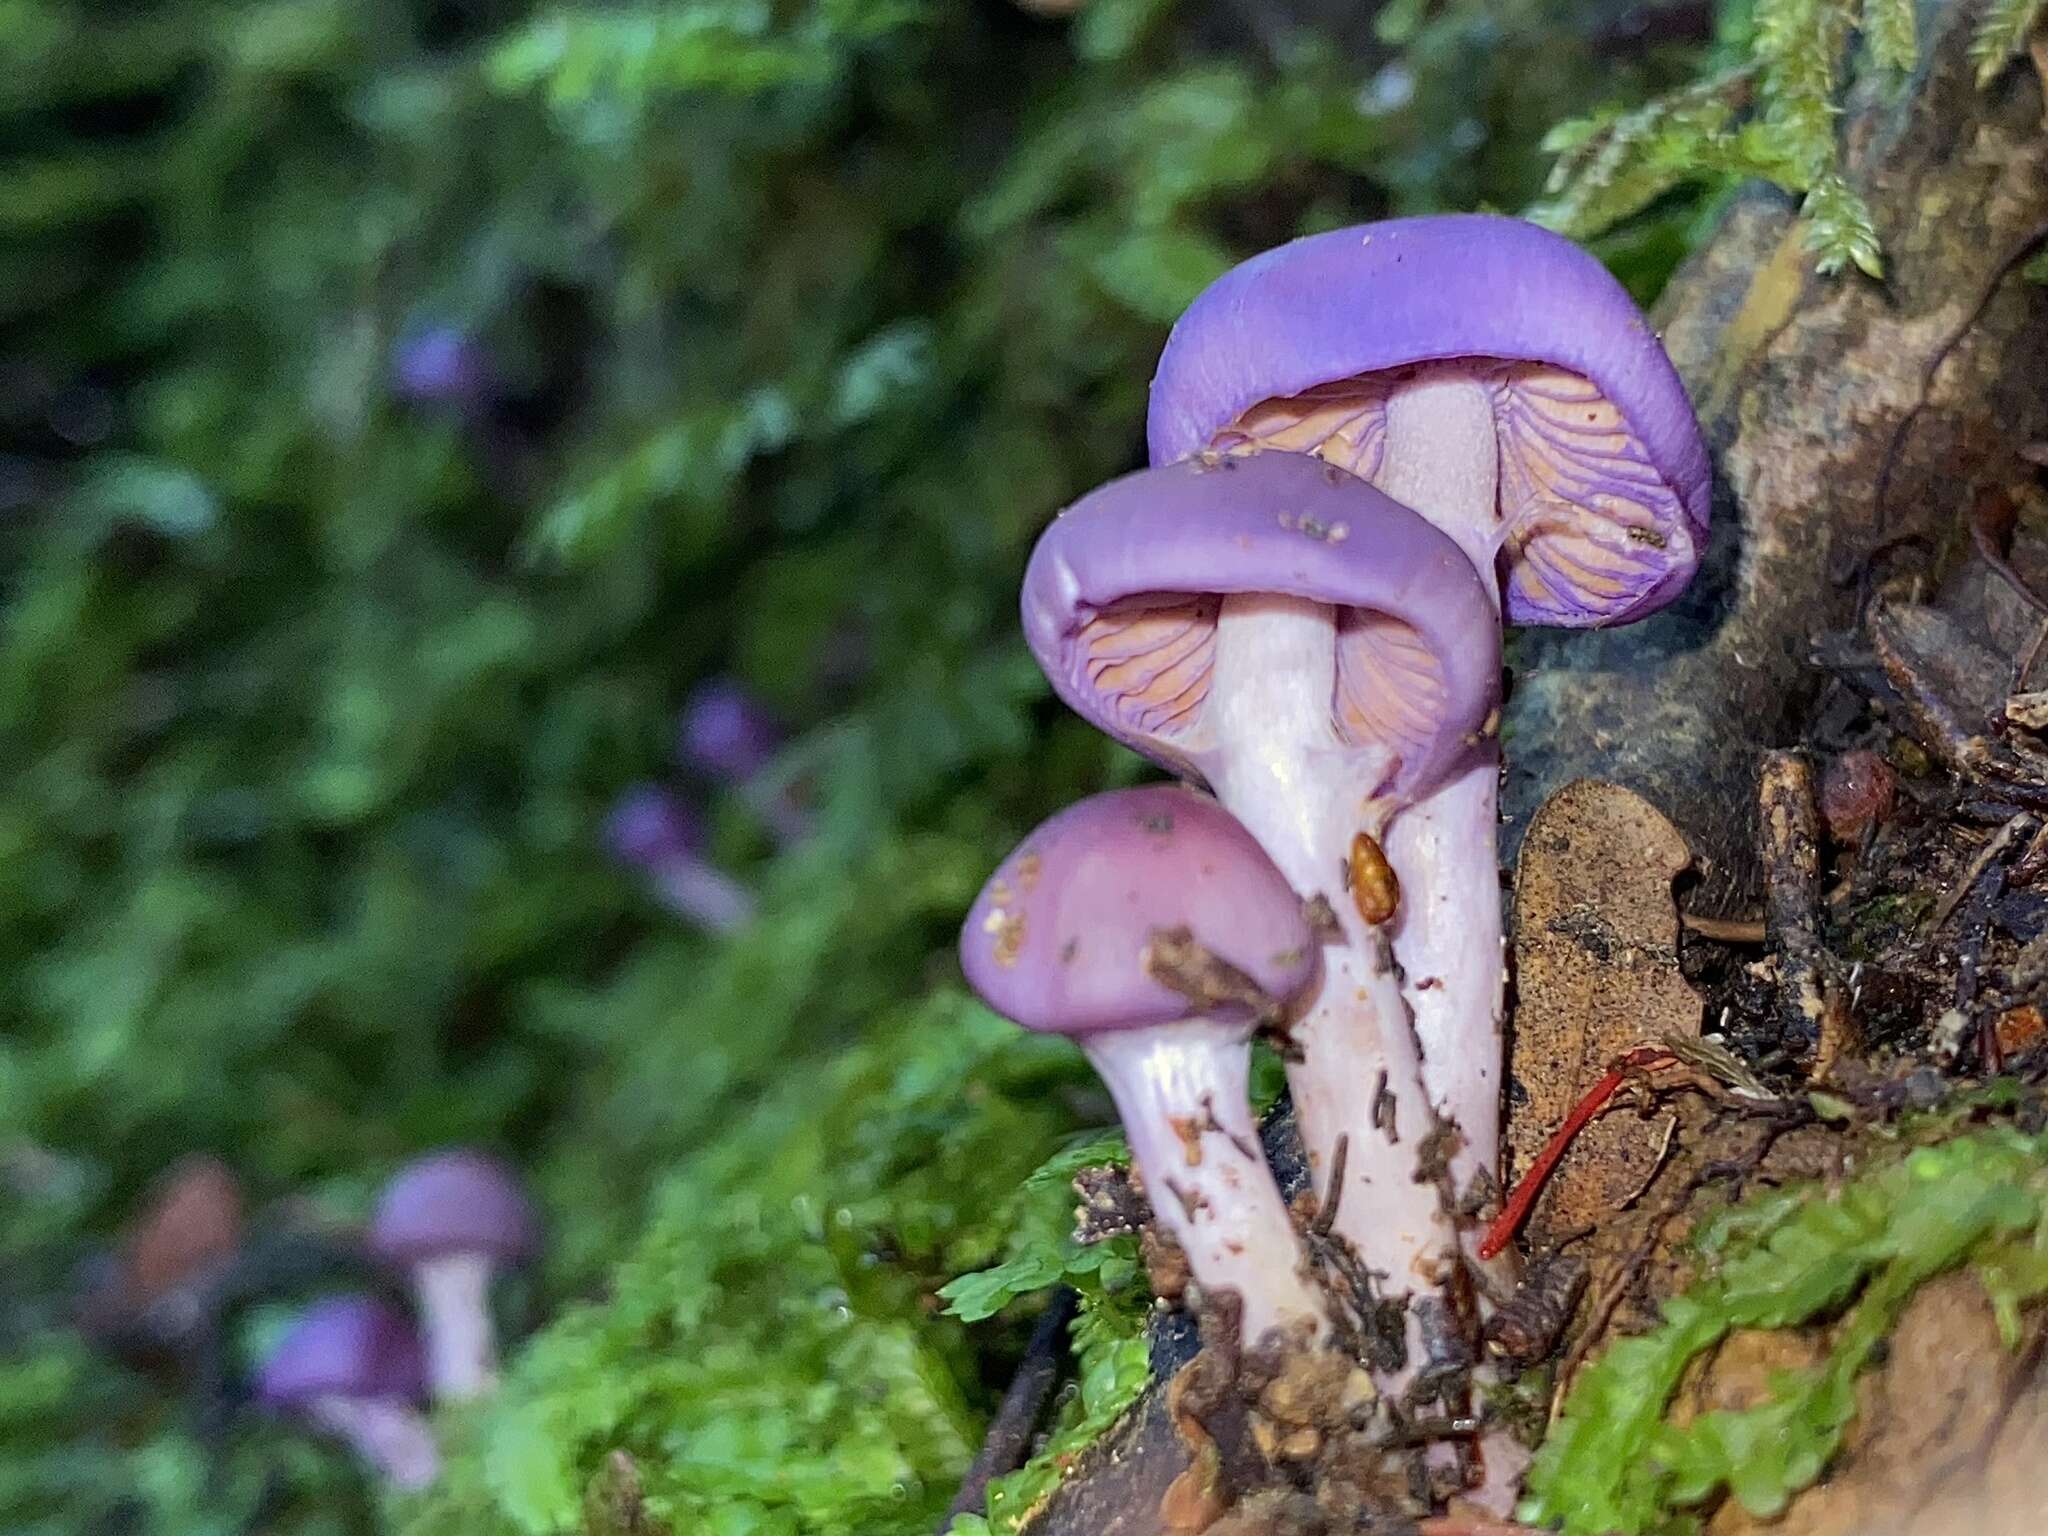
(1370, 449)
(356, 1366)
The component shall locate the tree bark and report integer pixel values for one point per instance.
(1802, 384)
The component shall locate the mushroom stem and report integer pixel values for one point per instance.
(389, 1435)
(1183, 1093)
(1447, 938)
(1441, 456)
(454, 1293)
(1283, 773)
(701, 894)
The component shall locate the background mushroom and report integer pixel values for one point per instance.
(1318, 654)
(1148, 925)
(452, 1220)
(729, 735)
(351, 1364)
(1496, 378)
(653, 831)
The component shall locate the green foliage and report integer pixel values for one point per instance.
(1768, 111)
(2002, 36)
(1613, 1463)
(796, 321)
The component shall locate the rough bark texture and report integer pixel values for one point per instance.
(1800, 382)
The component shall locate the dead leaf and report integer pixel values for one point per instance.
(1596, 973)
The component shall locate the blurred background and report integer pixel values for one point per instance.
(510, 519)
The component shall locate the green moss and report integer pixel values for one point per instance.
(1614, 1463)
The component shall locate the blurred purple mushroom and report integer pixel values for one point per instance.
(452, 1220)
(1320, 656)
(653, 831)
(1496, 378)
(351, 1365)
(1148, 925)
(439, 366)
(728, 734)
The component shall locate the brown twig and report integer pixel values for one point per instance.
(1008, 1441)
(1789, 843)
(1725, 930)
(1989, 854)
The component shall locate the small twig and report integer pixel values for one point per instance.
(1656, 1164)
(1326, 1217)
(1008, 1441)
(1788, 836)
(1991, 852)
(1523, 1198)
(1725, 930)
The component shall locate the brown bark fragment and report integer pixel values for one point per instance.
(1596, 974)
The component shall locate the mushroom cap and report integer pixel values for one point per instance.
(344, 1346)
(1593, 420)
(453, 1202)
(1122, 593)
(725, 731)
(1057, 939)
(649, 827)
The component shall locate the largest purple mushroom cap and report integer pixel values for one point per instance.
(1122, 594)
(1593, 419)
(1057, 939)
(345, 1346)
(454, 1202)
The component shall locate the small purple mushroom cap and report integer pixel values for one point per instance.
(725, 732)
(437, 366)
(1122, 596)
(344, 1346)
(650, 827)
(1056, 941)
(454, 1202)
(1603, 477)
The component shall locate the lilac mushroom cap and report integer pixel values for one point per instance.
(1123, 594)
(352, 1365)
(438, 366)
(1603, 477)
(726, 732)
(454, 1202)
(1079, 933)
(650, 827)
(344, 1346)
(1057, 939)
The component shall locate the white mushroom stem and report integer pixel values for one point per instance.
(454, 1294)
(706, 896)
(1183, 1093)
(388, 1435)
(1441, 456)
(1304, 794)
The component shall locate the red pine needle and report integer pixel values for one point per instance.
(1523, 1200)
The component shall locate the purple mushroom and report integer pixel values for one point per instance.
(653, 831)
(726, 733)
(438, 366)
(1494, 377)
(452, 1220)
(1319, 655)
(1148, 925)
(351, 1365)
